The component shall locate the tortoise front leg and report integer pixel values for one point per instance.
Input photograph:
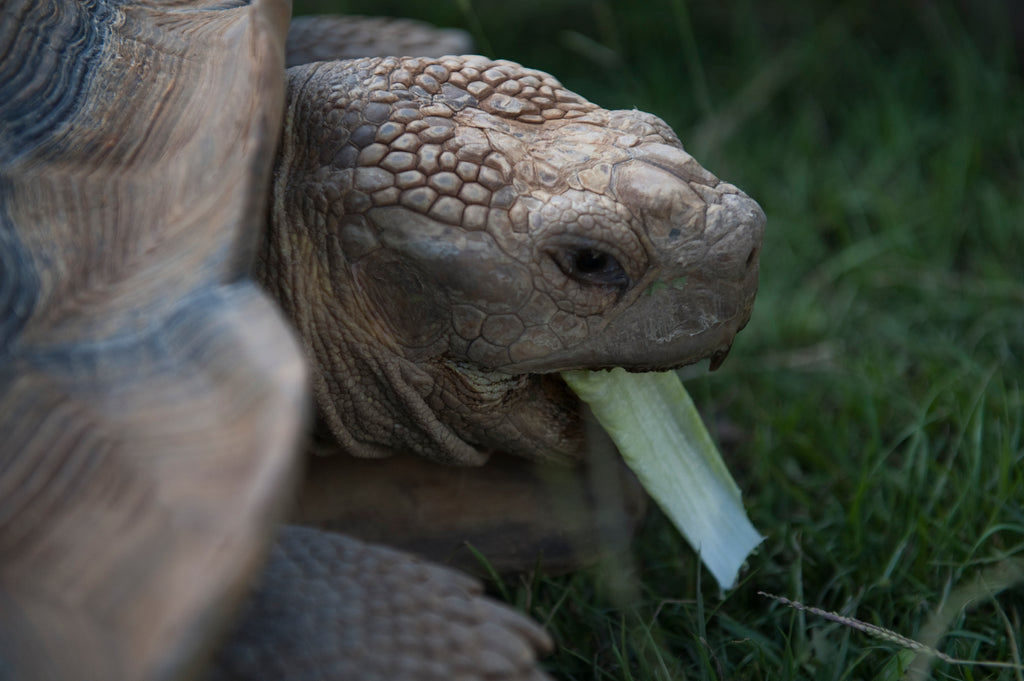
(331, 607)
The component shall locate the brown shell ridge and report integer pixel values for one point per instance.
(19, 283)
(151, 396)
(47, 53)
(48, 50)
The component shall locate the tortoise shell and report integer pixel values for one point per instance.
(150, 394)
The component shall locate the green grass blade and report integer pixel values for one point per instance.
(661, 436)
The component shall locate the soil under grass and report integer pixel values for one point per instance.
(873, 410)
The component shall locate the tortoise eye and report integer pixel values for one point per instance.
(591, 266)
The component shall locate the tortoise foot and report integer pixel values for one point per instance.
(329, 606)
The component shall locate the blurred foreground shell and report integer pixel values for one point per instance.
(150, 395)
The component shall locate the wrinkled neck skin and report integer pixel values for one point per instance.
(449, 234)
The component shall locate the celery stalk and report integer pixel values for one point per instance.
(659, 433)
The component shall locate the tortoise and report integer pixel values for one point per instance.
(189, 236)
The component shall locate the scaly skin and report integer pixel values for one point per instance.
(448, 234)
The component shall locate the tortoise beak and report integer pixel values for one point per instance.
(718, 359)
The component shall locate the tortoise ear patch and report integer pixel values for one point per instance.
(469, 265)
(411, 306)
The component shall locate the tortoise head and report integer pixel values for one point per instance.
(449, 234)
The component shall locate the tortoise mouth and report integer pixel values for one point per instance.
(644, 344)
(536, 415)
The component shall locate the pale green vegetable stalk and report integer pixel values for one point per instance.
(657, 429)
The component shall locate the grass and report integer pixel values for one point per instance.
(879, 387)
